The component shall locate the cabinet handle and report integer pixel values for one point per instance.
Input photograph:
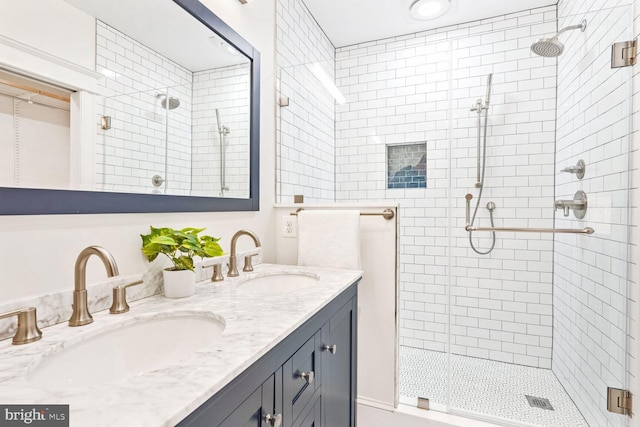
(307, 376)
(330, 348)
(273, 420)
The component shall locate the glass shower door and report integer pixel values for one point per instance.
(591, 272)
(538, 328)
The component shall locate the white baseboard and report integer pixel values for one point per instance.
(385, 406)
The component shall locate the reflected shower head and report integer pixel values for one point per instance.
(173, 102)
(552, 47)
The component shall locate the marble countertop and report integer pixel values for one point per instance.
(255, 322)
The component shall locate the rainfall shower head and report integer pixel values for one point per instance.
(548, 48)
(552, 47)
(173, 102)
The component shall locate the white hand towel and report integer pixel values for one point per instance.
(329, 238)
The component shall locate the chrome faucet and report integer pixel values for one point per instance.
(233, 269)
(81, 315)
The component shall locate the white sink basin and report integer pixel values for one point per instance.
(279, 282)
(131, 349)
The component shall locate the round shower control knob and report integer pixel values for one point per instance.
(157, 180)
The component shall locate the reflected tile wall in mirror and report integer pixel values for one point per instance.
(180, 144)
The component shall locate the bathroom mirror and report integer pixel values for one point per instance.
(175, 117)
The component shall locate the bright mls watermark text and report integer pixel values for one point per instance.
(34, 415)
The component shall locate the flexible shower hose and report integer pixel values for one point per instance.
(475, 211)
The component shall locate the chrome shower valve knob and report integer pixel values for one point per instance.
(578, 205)
(578, 169)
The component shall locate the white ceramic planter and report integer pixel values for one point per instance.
(179, 284)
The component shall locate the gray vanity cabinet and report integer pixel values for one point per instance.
(302, 378)
(312, 418)
(306, 380)
(338, 358)
(253, 411)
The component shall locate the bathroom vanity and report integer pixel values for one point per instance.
(308, 379)
(273, 347)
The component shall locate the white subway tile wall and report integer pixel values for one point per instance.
(306, 127)
(134, 149)
(135, 82)
(633, 305)
(590, 273)
(226, 89)
(421, 87)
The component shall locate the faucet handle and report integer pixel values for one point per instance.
(578, 169)
(217, 273)
(27, 325)
(248, 266)
(119, 304)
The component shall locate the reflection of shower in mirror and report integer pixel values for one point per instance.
(223, 131)
(173, 101)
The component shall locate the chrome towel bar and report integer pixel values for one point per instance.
(586, 230)
(469, 227)
(386, 214)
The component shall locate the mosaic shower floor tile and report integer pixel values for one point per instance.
(487, 388)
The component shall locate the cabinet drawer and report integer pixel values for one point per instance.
(312, 417)
(252, 411)
(301, 377)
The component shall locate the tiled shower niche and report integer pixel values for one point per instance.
(407, 165)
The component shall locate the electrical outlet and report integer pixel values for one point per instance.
(289, 226)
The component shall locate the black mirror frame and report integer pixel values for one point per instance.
(35, 201)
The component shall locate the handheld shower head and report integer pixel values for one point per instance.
(552, 47)
(488, 97)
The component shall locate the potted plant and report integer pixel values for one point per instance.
(180, 246)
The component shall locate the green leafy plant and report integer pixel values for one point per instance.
(180, 246)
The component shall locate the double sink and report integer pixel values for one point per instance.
(150, 342)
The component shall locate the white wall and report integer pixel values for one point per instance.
(39, 252)
(420, 87)
(70, 31)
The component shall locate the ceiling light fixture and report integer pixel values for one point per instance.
(429, 9)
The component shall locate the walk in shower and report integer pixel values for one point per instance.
(530, 329)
